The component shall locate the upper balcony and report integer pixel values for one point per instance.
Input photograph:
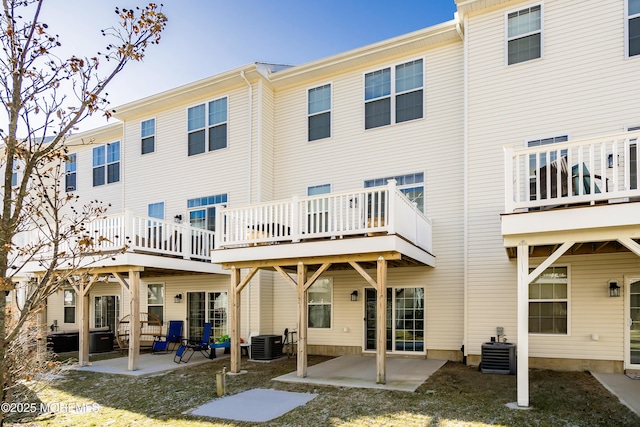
(583, 186)
(128, 239)
(371, 220)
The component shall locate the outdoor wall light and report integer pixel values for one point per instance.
(354, 296)
(177, 218)
(177, 299)
(614, 289)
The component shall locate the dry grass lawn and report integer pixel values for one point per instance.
(456, 395)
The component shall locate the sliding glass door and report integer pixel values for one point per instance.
(405, 319)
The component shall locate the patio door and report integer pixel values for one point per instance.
(405, 319)
(632, 332)
(196, 305)
(106, 311)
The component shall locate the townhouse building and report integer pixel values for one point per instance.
(406, 198)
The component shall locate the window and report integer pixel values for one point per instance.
(148, 136)
(411, 185)
(548, 302)
(394, 94)
(69, 306)
(633, 160)
(70, 167)
(214, 114)
(633, 27)
(106, 164)
(202, 211)
(537, 165)
(155, 300)
(319, 303)
(319, 110)
(524, 35)
(156, 210)
(218, 314)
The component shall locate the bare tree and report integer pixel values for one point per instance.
(44, 97)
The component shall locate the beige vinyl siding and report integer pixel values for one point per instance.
(266, 143)
(55, 306)
(432, 145)
(170, 175)
(565, 92)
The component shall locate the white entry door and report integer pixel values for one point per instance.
(632, 325)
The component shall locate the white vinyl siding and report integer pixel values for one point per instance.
(633, 27)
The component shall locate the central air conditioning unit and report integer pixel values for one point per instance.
(266, 347)
(498, 358)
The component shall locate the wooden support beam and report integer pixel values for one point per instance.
(334, 259)
(630, 244)
(244, 282)
(122, 280)
(363, 273)
(234, 318)
(381, 323)
(134, 313)
(315, 276)
(523, 325)
(547, 262)
(286, 277)
(302, 321)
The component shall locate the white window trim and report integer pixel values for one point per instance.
(155, 135)
(75, 307)
(106, 164)
(568, 334)
(627, 18)
(507, 39)
(332, 304)
(207, 126)
(393, 94)
(164, 299)
(330, 111)
(403, 186)
(75, 154)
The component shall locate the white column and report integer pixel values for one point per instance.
(523, 324)
(134, 315)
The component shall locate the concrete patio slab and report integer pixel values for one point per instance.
(622, 386)
(264, 404)
(148, 364)
(403, 374)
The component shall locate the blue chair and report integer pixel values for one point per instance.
(186, 349)
(174, 336)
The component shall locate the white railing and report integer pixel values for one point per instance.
(335, 215)
(586, 171)
(145, 234)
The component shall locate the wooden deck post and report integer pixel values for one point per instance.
(83, 335)
(381, 323)
(234, 319)
(302, 321)
(134, 310)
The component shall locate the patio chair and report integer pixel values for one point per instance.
(174, 336)
(245, 347)
(184, 355)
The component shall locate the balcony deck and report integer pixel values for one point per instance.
(584, 191)
(352, 223)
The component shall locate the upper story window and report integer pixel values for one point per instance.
(70, 167)
(524, 35)
(148, 136)
(319, 110)
(549, 302)
(411, 185)
(202, 211)
(394, 94)
(207, 126)
(633, 27)
(106, 164)
(155, 210)
(15, 174)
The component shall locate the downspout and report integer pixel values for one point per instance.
(249, 164)
(465, 59)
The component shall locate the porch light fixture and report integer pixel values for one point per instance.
(614, 289)
(354, 296)
(177, 218)
(177, 299)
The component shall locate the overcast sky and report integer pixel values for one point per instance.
(207, 37)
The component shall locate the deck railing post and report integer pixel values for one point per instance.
(219, 233)
(129, 231)
(391, 221)
(295, 219)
